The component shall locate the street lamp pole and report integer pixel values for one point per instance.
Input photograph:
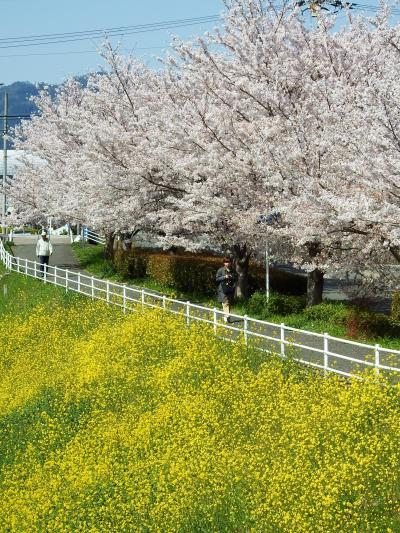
(268, 220)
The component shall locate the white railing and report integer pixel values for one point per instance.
(87, 235)
(317, 350)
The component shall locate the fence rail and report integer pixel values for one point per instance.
(88, 235)
(316, 350)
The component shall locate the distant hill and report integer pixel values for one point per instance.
(19, 97)
(19, 94)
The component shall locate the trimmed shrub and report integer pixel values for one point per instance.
(395, 310)
(277, 304)
(328, 312)
(196, 273)
(185, 273)
(361, 323)
(130, 264)
(160, 268)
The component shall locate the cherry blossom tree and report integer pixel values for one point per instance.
(310, 89)
(254, 101)
(100, 169)
(357, 201)
(268, 113)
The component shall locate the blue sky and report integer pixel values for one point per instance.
(33, 17)
(53, 63)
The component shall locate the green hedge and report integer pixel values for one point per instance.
(395, 311)
(196, 273)
(277, 304)
(329, 312)
(368, 324)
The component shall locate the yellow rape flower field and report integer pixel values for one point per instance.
(136, 423)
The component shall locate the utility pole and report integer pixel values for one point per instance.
(4, 182)
(6, 117)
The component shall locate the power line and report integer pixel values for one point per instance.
(68, 37)
(106, 30)
(18, 42)
(81, 52)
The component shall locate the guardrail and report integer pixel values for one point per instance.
(87, 235)
(316, 350)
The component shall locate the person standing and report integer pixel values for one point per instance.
(44, 249)
(226, 279)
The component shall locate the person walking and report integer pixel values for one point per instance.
(226, 279)
(44, 249)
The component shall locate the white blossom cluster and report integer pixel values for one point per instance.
(266, 114)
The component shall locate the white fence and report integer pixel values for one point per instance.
(321, 351)
(88, 235)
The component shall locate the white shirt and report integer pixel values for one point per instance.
(43, 247)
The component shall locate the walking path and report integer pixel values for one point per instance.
(313, 344)
(63, 256)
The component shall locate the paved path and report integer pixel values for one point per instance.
(81, 281)
(63, 256)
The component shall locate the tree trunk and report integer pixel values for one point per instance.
(109, 249)
(315, 286)
(241, 258)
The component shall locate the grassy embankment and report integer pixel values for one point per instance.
(135, 423)
(330, 317)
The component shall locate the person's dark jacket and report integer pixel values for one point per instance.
(226, 285)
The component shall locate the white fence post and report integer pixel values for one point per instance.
(187, 313)
(13, 264)
(326, 349)
(245, 329)
(377, 359)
